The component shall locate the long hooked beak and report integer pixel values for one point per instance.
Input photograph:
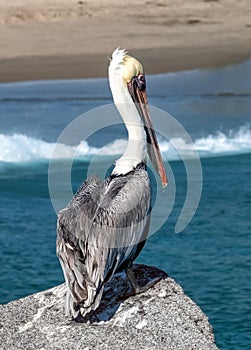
(140, 99)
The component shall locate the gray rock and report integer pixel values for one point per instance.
(163, 317)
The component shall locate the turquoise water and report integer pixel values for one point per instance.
(211, 258)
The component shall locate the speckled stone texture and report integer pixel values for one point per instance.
(163, 317)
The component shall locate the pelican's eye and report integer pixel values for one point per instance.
(140, 81)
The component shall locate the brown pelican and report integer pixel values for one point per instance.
(104, 227)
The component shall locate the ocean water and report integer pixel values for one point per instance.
(210, 258)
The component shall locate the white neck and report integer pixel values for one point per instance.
(135, 151)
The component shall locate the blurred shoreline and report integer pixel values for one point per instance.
(61, 39)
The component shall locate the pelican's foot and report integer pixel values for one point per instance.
(136, 288)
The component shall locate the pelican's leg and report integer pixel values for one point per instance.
(132, 279)
(135, 286)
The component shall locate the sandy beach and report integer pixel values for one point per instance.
(56, 39)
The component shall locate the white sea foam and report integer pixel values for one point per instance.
(22, 148)
(217, 144)
(18, 148)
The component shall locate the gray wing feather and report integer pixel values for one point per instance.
(98, 232)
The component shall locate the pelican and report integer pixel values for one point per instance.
(104, 227)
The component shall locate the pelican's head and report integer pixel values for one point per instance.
(128, 70)
(126, 67)
(131, 68)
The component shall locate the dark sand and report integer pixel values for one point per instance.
(54, 39)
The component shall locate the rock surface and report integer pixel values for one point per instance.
(163, 317)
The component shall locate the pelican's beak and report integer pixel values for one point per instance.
(140, 99)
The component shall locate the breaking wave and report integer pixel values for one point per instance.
(18, 148)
